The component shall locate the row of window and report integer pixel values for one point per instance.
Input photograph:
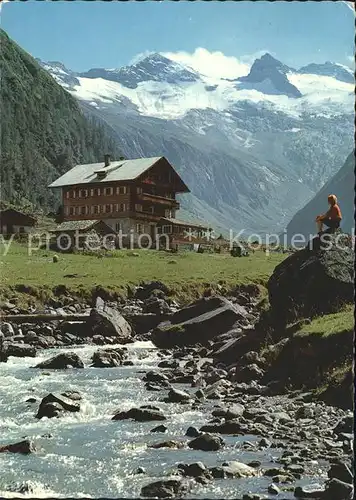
(100, 191)
(109, 208)
(97, 209)
(140, 228)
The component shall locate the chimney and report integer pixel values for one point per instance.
(107, 160)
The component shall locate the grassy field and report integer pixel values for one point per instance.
(331, 324)
(187, 274)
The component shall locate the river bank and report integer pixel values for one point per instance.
(287, 440)
(285, 437)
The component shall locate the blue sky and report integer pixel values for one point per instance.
(84, 35)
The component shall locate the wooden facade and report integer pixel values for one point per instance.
(15, 222)
(130, 205)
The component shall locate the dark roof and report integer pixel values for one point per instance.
(17, 213)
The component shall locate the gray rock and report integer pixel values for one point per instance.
(192, 432)
(195, 469)
(309, 492)
(236, 469)
(140, 415)
(228, 427)
(159, 428)
(20, 350)
(206, 442)
(176, 396)
(273, 489)
(338, 490)
(107, 321)
(62, 361)
(165, 489)
(24, 447)
(108, 358)
(201, 321)
(57, 399)
(167, 444)
(7, 329)
(341, 471)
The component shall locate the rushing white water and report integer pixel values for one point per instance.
(88, 454)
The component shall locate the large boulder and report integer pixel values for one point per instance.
(198, 323)
(165, 489)
(20, 350)
(62, 361)
(107, 321)
(140, 415)
(108, 358)
(52, 404)
(24, 447)
(206, 442)
(314, 281)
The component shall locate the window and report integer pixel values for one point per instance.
(108, 191)
(83, 210)
(83, 193)
(67, 194)
(138, 207)
(118, 226)
(151, 210)
(73, 193)
(95, 209)
(140, 228)
(96, 191)
(139, 190)
(71, 211)
(121, 190)
(120, 207)
(167, 229)
(108, 208)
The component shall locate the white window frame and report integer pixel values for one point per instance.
(118, 227)
(138, 209)
(170, 229)
(140, 228)
(121, 190)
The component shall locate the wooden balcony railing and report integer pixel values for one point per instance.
(162, 200)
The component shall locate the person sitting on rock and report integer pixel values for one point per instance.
(332, 217)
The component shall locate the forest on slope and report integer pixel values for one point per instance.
(43, 130)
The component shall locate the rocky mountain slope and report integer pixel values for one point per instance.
(253, 149)
(44, 131)
(343, 185)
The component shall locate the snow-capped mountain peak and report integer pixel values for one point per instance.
(60, 73)
(155, 67)
(335, 70)
(268, 75)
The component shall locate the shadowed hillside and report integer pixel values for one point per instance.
(44, 132)
(343, 185)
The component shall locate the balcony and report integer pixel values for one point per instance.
(161, 200)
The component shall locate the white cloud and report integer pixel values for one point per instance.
(140, 57)
(213, 64)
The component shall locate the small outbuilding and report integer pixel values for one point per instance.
(83, 234)
(15, 222)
